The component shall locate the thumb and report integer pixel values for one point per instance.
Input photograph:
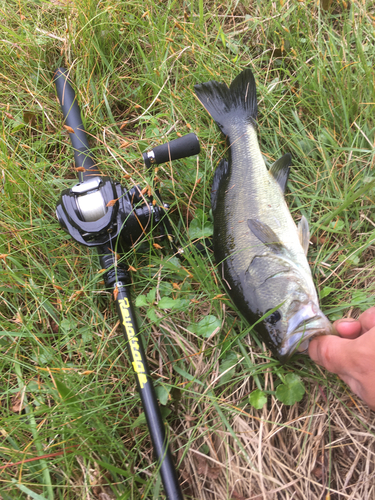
(348, 328)
(332, 352)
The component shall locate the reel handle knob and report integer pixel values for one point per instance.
(187, 145)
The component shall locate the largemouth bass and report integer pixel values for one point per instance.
(260, 250)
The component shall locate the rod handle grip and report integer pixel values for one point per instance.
(187, 145)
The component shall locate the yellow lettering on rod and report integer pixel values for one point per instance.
(133, 342)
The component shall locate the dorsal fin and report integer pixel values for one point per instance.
(265, 234)
(280, 170)
(304, 233)
(220, 172)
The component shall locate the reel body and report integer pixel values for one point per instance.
(98, 209)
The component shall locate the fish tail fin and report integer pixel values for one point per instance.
(225, 104)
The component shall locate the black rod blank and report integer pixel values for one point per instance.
(116, 278)
(149, 402)
(72, 117)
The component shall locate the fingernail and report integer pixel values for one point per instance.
(346, 320)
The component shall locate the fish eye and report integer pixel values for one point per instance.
(273, 318)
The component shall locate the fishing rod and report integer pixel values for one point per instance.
(100, 213)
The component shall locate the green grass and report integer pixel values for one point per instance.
(67, 389)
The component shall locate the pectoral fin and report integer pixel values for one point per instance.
(304, 233)
(280, 170)
(266, 235)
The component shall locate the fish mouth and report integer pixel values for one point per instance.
(302, 328)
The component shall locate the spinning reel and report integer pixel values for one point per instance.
(99, 210)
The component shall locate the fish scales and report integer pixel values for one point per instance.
(244, 198)
(256, 242)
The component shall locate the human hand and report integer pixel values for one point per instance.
(351, 355)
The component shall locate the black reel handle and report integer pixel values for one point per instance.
(187, 145)
(72, 117)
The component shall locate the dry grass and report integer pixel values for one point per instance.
(322, 448)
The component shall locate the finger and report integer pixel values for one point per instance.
(332, 352)
(348, 328)
(367, 319)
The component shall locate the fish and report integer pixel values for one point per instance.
(260, 251)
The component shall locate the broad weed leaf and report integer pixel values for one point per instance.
(229, 361)
(206, 326)
(141, 301)
(258, 399)
(291, 391)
